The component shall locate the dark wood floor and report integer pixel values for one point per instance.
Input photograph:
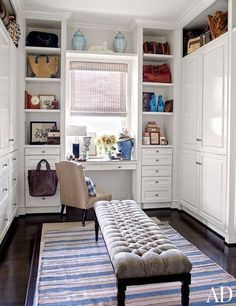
(16, 251)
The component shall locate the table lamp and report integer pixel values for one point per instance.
(75, 130)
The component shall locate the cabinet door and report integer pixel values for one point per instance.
(189, 179)
(214, 98)
(213, 188)
(4, 91)
(190, 102)
(13, 99)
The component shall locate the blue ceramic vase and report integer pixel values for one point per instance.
(125, 149)
(119, 43)
(78, 41)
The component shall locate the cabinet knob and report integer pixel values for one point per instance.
(197, 163)
(157, 182)
(157, 171)
(14, 158)
(157, 151)
(4, 165)
(11, 139)
(157, 160)
(43, 151)
(120, 167)
(43, 198)
(14, 204)
(14, 179)
(5, 219)
(4, 190)
(198, 139)
(156, 194)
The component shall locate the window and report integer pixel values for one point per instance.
(98, 89)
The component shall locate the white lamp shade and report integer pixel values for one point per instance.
(75, 130)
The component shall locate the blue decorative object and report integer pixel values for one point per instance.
(125, 149)
(153, 103)
(78, 40)
(119, 43)
(160, 104)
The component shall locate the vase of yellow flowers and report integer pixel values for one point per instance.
(106, 145)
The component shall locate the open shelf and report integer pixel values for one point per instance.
(42, 146)
(155, 57)
(42, 50)
(158, 113)
(42, 110)
(157, 146)
(42, 80)
(156, 84)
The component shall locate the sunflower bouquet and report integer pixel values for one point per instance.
(106, 144)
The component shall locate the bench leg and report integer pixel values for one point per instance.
(185, 293)
(62, 211)
(96, 227)
(121, 288)
(84, 216)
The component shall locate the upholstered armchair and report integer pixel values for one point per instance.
(74, 190)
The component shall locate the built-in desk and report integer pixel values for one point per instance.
(114, 176)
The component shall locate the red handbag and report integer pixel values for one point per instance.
(156, 73)
(156, 48)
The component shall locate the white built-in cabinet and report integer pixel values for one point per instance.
(8, 132)
(204, 133)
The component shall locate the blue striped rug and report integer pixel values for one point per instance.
(75, 270)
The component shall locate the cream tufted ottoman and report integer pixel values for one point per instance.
(139, 251)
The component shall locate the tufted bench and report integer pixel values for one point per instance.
(138, 249)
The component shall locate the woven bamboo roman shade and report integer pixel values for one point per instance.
(98, 89)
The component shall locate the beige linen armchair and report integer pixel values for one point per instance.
(73, 188)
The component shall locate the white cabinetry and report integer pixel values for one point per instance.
(204, 133)
(156, 176)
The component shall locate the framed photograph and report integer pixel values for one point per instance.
(154, 138)
(47, 101)
(168, 106)
(39, 131)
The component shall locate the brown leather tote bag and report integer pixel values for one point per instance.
(156, 73)
(42, 182)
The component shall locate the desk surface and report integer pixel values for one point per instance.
(101, 164)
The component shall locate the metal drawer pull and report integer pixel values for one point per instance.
(197, 163)
(14, 204)
(120, 167)
(4, 190)
(157, 171)
(11, 139)
(157, 151)
(14, 158)
(43, 151)
(157, 195)
(5, 219)
(14, 179)
(198, 139)
(43, 198)
(4, 165)
(157, 182)
(157, 160)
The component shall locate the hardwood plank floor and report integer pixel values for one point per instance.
(16, 251)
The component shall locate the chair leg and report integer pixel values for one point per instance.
(84, 216)
(62, 211)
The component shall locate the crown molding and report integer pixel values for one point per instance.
(102, 27)
(192, 12)
(55, 15)
(147, 23)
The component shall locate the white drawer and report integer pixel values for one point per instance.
(91, 167)
(163, 195)
(161, 151)
(4, 217)
(4, 164)
(4, 187)
(155, 183)
(156, 171)
(13, 159)
(42, 151)
(42, 201)
(118, 166)
(156, 159)
(31, 162)
(12, 178)
(13, 201)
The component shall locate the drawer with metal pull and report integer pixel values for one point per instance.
(42, 151)
(156, 151)
(4, 187)
(151, 196)
(155, 183)
(154, 160)
(156, 170)
(13, 159)
(4, 164)
(42, 201)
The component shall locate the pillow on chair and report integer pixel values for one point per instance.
(91, 187)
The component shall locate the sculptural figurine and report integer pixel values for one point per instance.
(153, 103)
(160, 104)
(102, 48)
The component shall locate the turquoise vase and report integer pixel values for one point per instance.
(78, 41)
(119, 43)
(125, 149)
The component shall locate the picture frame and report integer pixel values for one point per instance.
(168, 108)
(92, 147)
(47, 101)
(154, 138)
(39, 131)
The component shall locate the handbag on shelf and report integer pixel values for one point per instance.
(42, 39)
(3, 13)
(156, 48)
(44, 66)
(156, 73)
(42, 182)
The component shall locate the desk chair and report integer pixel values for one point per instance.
(74, 191)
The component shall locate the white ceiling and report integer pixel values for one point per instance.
(114, 11)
